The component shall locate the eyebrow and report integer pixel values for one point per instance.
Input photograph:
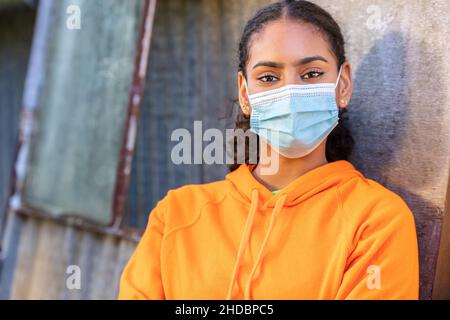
(302, 61)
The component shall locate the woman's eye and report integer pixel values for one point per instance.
(311, 74)
(268, 78)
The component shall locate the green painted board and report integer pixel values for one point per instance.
(82, 107)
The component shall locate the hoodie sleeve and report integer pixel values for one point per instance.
(383, 260)
(141, 277)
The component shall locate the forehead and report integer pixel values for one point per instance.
(287, 40)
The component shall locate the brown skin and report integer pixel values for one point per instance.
(286, 42)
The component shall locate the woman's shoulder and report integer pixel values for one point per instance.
(211, 191)
(377, 219)
(191, 197)
(363, 198)
(182, 207)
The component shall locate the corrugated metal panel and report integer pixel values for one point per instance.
(16, 31)
(55, 244)
(45, 251)
(47, 248)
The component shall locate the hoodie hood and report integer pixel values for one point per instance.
(312, 182)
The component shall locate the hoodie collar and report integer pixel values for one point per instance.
(305, 186)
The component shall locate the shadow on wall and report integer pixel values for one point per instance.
(386, 130)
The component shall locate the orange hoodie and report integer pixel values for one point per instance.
(330, 234)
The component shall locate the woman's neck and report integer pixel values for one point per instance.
(289, 169)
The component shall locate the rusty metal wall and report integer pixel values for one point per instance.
(46, 249)
(16, 31)
(81, 106)
(53, 246)
(399, 116)
(192, 76)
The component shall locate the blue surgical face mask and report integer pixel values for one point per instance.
(295, 119)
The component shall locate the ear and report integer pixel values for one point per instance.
(243, 98)
(345, 87)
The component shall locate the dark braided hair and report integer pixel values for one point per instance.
(340, 142)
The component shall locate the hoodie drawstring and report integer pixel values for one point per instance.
(244, 241)
(276, 210)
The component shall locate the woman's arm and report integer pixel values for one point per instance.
(141, 278)
(383, 263)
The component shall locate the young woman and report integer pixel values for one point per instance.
(316, 228)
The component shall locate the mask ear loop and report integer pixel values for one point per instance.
(246, 90)
(339, 77)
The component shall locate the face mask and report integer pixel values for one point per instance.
(295, 119)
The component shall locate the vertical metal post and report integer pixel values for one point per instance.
(134, 102)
